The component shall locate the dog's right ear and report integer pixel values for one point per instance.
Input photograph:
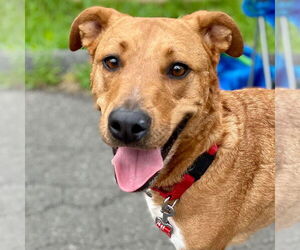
(88, 26)
(218, 30)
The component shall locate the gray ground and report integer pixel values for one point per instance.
(12, 171)
(72, 201)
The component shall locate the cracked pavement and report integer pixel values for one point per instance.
(72, 201)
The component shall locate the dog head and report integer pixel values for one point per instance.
(149, 77)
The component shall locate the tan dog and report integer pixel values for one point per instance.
(155, 82)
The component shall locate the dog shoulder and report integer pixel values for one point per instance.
(257, 105)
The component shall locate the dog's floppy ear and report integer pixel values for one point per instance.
(88, 25)
(218, 30)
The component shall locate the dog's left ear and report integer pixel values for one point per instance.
(218, 30)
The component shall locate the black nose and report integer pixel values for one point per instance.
(128, 125)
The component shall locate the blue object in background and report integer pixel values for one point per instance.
(257, 8)
(289, 9)
(287, 12)
(281, 74)
(234, 72)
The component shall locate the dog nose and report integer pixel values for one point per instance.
(128, 125)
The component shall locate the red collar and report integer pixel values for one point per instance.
(193, 174)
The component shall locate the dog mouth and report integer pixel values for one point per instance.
(172, 139)
(136, 169)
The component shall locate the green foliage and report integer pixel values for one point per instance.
(44, 71)
(12, 24)
(11, 79)
(13, 72)
(82, 75)
(48, 22)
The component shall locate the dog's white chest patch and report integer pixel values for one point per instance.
(177, 238)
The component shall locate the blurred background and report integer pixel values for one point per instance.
(12, 125)
(72, 201)
(48, 25)
(50, 64)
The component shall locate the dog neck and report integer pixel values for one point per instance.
(202, 131)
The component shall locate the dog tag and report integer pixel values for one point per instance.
(162, 222)
(165, 227)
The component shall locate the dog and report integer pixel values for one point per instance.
(205, 157)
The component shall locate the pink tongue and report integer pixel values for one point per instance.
(134, 167)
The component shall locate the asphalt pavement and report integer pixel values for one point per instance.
(12, 170)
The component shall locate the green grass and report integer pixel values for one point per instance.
(48, 22)
(12, 26)
(12, 45)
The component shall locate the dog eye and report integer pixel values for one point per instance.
(178, 70)
(111, 63)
